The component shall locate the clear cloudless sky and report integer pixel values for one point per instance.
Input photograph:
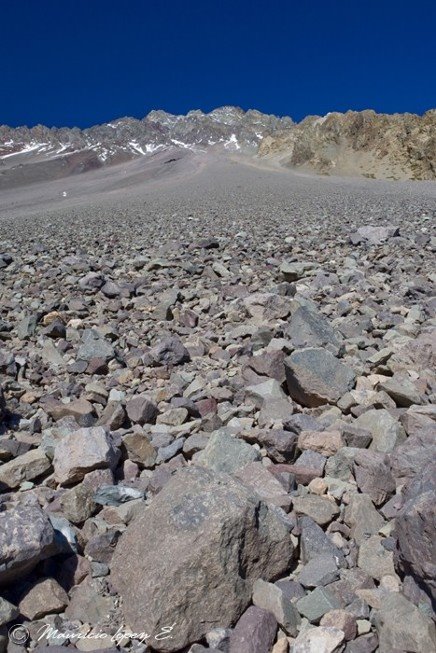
(82, 62)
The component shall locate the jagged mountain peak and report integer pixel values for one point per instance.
(227, 127)
(399, 146)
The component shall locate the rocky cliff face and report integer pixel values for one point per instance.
(381, 146)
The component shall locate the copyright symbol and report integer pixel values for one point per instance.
(18, 634)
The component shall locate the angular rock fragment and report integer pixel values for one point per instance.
(141, 410)
(94, 346)
(342, 620)
(280, 444)
(411, 457)
(320, 509)
(219, 539)
(386, 432)
(254, 632)
(318, 640)
(81, 452)
(292, 271)
(319, 570)
(44, 597)
(402, 391)
(81, 409)
(373, 476)
(8, 611)
(374, 559)
(258, 478)
(170, 351)
(317, 603)
(307, 327)
(314, 542)
(26, 537)
(270, 597)
(414, 528)
(401, 626)
(225, 453)
(26, 467)
(324, 442)
(374, 235)
(362, 517)
(315, 377)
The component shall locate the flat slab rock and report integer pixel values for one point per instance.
(193, 555)
(318, 640)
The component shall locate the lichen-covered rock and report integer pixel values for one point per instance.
(414, 529)
(218, 539)
(315, 377)
(401, 626)
(26, 537)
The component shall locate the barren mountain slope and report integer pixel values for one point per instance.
(382, 146)
(217, 395)
(41, 153)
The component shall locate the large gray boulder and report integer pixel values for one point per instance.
(26, 537)
(192, 557)
(410, 458)
(315, 377)
(415, 528)
(402, 627)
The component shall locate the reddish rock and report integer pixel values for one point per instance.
(254, 633)
(141, 410)
(325, 442)
(44, 597)
(345, 621)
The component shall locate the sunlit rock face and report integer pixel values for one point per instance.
(365, 143)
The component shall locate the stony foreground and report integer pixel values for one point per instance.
(218, 417)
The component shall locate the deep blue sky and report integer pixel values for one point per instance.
(81, 62)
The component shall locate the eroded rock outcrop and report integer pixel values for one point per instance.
(365, 143)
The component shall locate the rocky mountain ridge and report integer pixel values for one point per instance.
(365, 143)
(380, 146)
(230, 128)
